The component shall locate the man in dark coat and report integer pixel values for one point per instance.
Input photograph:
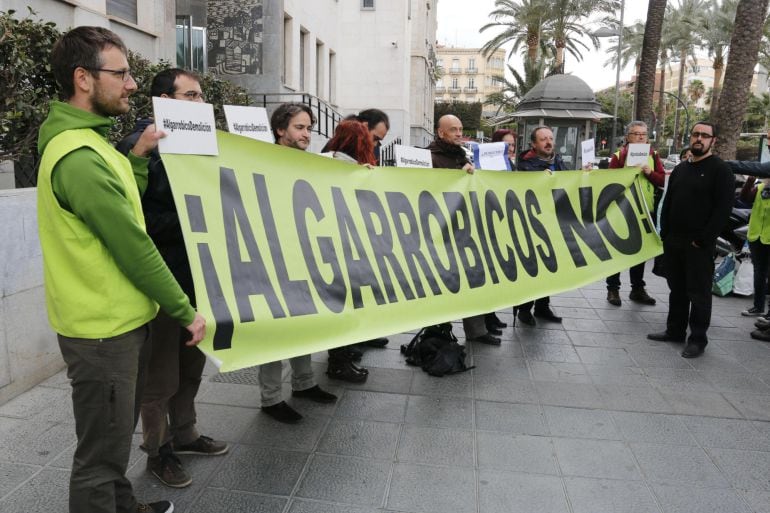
(539, 157)
(447, 152)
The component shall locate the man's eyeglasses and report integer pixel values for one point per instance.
(638, 134)
(124, 74)
(702, 135)
(191, 95)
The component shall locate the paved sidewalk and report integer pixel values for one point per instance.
(586, 417)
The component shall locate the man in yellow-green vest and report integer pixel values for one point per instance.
(104, 278)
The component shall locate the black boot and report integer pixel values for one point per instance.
(345, 370)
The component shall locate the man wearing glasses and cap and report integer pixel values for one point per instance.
(698, 200)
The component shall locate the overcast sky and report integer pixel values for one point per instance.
(459, 24)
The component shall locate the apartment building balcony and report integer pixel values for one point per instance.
(472, 90)
(471, 71)
(455, 71)
(440, 89)
(455, 90)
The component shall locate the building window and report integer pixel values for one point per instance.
(123, 9)
(455, 83)
(303, 38)
(455, 64)
(319, 69)
(190, 45)
(471, 82)
(367, 5)
(332, 77)
(288, 29)
(471, 63)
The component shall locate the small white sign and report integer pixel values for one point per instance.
(249, 121)
(408, 156)
(492, 156)
(638, 155)
(189, 126)
(588, 150)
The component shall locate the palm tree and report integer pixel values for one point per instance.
(681, 26)
(567, 30)
(522, 21)
(715, 31)
(744, 50)
(695, 90)
(645, 83)
(513, 91)
(666, 49)
(633, 38)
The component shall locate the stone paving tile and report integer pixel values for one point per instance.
(525, 419)
(489, 388)
(611, 375)
(759, 501)
(727, 434)
(580, 423)
(436, 446)
(665, 464)
(345, 479)
(653, 428)
(227, 423)
(681, 379)
(224, 501)
(306, 506)
(542, 336)
(754, 407)
(392, 381)
(521, 453)
(712, 404)
(641, 398)
(432, 489)
(504, 492)
(456, 385)
(267, 431)
(558, 372)
(445, 412)
(260, 469)
(360, 438)
(44, 493)
(13, 474)
(746, 470)
(596, 458)
(36, 443)
(609, 496)
(703, 500)
(372, 406)
(615, 357)
(230, 394)
(569, 394)
(41, 403)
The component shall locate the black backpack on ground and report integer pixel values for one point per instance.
(436, 350)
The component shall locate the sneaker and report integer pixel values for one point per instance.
(203, 446)
(315, 394)
(169, 471)
(753, 312)
(761, 334)
(639, 295)
(762, 322)
(613, 297)
(156, 507)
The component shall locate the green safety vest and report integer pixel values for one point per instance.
(87, 295)
(759, 222)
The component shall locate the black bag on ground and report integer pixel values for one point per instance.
(436, 350)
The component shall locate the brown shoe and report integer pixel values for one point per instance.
(639, 295)
(203, 446)
(169, 470)
(613, 297)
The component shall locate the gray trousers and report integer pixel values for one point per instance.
(474, 326)
(270, 375)
(107, 380)
(173, 378)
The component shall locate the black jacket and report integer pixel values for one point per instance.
(160, 214)
(698, 201)
(758, 169)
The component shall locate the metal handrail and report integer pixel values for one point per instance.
(327, 118)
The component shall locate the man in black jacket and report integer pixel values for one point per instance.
(697, 205)
(447, 152)
(175, 369)
(540, 157)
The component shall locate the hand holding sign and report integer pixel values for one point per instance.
(587, 149)
(148, 141)
(638, 155)
(189, 127)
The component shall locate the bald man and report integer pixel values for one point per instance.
(447, 152)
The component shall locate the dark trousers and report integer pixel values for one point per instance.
(689, 272)
(173, 378)
(637, 278)
(540, 304)
(760, 257)
(107, 380)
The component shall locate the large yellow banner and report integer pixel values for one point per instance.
(294, 253)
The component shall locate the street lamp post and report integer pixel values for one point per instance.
(607, 32)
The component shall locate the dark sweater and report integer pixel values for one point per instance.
(447, 155)
(529, 161)
(698, 201)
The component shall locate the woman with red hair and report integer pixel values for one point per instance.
(352, 142)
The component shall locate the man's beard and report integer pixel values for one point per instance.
(103, 107)
(700, 151)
